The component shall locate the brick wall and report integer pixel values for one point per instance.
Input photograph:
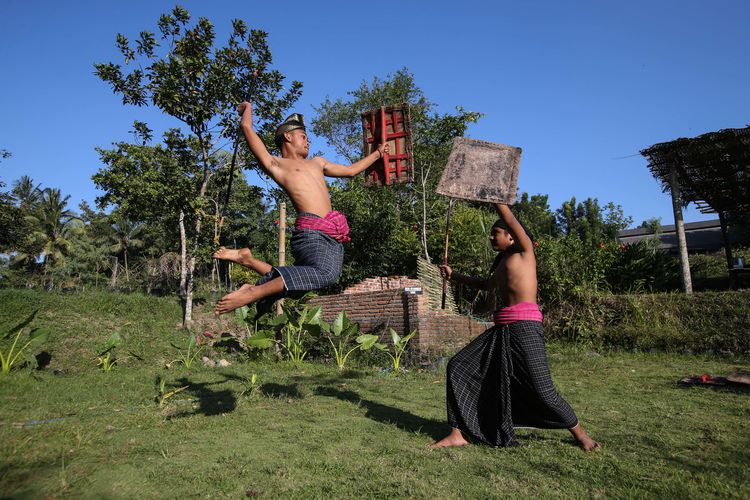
(382, 283)
(402, 309)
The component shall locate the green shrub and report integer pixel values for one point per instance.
(700, 322)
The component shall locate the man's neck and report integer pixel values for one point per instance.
(291, 155)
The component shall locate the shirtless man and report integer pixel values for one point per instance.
(319, 232)
(501, 380)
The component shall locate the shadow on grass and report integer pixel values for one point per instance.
(389, 414)
(286, 391)
(210, 402)
(731, 388)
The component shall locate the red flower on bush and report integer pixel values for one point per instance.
(602, 246)
(208, 334)
(536, 244)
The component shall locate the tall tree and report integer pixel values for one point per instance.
(13, 227)
(534, 212)
(26, 193)
(124, 234)
(199, 85)
(53, 223)
(403, 219)
(586, 220)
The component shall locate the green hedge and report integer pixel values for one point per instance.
(716, 322)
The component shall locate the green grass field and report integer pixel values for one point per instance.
(312, 432)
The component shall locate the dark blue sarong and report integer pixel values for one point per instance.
(501, 380)
(318, 259)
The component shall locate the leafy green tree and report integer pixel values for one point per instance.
(124, 235)
(534, 212)
(586, 220)
(401, 221)
(186, 77)
(653, 225)
(53, 225)
(27, 194)
(90, 260)
(12, 223)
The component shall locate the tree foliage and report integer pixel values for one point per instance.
(182, 73)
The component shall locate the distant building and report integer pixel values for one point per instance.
(701, 237)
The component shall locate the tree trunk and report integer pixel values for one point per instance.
(679, 228)
(114, 273)
(127, 275)
(187, 321)
(424, 176)
(183, 256)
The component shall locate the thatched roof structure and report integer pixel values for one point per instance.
(713, 169)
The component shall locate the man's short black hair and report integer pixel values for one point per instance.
(502, 225)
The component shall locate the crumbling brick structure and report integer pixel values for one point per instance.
(405, 305)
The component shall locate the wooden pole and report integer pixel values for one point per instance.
(445, 251)
(727, 249)
(679, 227)
(282, 261)
(282, 246)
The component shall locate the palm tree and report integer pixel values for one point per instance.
(124, 233)
(53, 223)
(27, 194)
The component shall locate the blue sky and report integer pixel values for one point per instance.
(581, 86)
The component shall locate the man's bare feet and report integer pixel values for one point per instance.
(584, 440)
(240, 297)
(588, 444)
(455, 438)
(240, 256)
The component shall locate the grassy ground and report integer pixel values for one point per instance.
(311, 432)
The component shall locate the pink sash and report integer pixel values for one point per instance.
(334, 224)
(523, 311)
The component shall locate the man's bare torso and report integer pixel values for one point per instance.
(516, 279)
(304, 182)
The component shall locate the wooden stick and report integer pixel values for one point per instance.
(282, 247)
(282, 261)
(445, 253)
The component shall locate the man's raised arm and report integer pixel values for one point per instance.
(266, 160)
(335, 170)
(515, 228)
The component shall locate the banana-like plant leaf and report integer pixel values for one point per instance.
(241, 313)
(394, 336)
(408, 337)
(38, 336)
(367, 341)
(281, 319)
(113, 341)
(314, 316)
(263, 339)
(338, 323)
(20, 326)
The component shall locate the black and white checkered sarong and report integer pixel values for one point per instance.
(317, 262)
(501, 380)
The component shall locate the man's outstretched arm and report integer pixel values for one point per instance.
(335, 170)
(256, 144)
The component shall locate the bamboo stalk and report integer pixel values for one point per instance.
(445, 251)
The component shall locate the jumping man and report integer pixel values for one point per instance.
(501, 379)
(319, 231)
